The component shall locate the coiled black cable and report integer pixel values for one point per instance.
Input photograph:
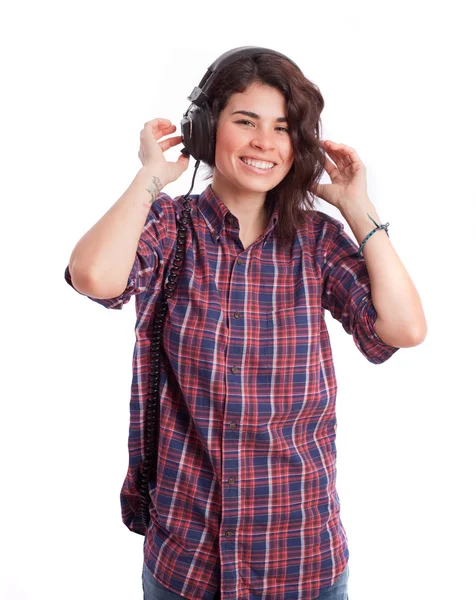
(151, 441)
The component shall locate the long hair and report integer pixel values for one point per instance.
(304, 103)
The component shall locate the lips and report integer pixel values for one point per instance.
(256, 170)
(258, 159)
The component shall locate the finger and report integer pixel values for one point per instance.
(328, 165)
(350, 158)
(183, 157)
(346, 151)
(158, 126)
(169, 142)
(345, 154)
(330, 168)
(158, 132)
(158, 122)
(337, 153)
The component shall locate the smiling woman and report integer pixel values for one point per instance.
(232, 454)
(251, 157)
(271, 159)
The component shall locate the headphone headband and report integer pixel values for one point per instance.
(231, 56)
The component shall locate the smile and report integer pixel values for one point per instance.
(255, 169)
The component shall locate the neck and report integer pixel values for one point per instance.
(248, 207)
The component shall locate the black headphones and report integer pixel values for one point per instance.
(196, 125)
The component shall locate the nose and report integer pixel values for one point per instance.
(263, 140)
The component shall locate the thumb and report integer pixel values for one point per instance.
(320, 190)
(183, 160)
(182, 163)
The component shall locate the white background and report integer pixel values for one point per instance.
(79, 82)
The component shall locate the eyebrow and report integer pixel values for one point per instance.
(255, 116)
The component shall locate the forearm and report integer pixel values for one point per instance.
(102, 260)
(401, 320)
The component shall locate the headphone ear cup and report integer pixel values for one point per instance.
(197, 128)
(207, 125)
(186, 129)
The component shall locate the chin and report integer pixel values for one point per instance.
(264, 186)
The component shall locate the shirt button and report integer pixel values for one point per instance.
(228, 533)
(232, 425)
(234, 370)
(231, 480)
(237, 315)
(239, 261)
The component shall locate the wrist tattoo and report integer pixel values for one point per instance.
(154, 188)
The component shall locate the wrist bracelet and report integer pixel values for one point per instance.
(377, 228)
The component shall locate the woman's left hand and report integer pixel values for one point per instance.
(348, 176)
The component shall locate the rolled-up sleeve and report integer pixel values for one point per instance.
(346, 292)
(148, 257)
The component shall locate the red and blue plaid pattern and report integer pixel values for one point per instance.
(246, 473)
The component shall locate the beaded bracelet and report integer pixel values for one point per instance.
(377, 228)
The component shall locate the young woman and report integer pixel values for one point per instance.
(244, 502)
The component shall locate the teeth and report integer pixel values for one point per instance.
(258, 163)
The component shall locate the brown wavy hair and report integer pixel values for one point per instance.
(304, 103)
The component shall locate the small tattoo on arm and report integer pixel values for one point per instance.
(154, 188)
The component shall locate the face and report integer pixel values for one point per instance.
(263, 136)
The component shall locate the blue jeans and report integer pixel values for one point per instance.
(153, 590)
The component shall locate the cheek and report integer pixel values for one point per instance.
(286, 150)
(289, 156)
(232, 138)
(223, 145)
(228, 146)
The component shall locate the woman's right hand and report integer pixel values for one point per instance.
(151, 152)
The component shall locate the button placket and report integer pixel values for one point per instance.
(233, 410)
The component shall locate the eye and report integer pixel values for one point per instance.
(246, 121)
(243, 121)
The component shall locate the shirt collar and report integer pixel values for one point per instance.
(215, 212)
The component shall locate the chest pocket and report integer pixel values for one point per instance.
(292, 339)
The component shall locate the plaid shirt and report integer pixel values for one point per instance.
(245, 500)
